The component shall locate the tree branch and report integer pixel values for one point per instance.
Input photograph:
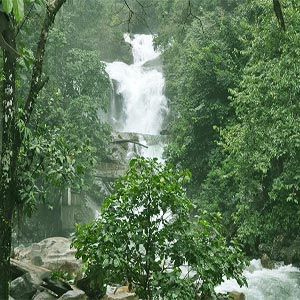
(279, 14)
(190, 14)
(37, 83)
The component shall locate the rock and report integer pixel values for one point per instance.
(44, 296)
(53, 253)
(37, 261)
(291, 254)
(266, 262)
(236, 295)
(57, 286)
(22, 288)
(122, 289)
(122, 296)
(87, 284)
(10, 298)
(120, 293)
(283, 249)
(72, 268)
(49, 249)
(37, 274)
(73, 295)
(222, 297)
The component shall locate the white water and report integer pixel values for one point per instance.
(141, 89)
(281, 283)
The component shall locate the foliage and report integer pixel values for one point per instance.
(231, 77)
(208, 64)
(262, 146)
(62, 145)
(15, 6)
(16, 109)
(145, 235)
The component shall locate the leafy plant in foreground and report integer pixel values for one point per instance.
(147, 237)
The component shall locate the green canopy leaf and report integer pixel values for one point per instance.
(7, 6)
(18, 9)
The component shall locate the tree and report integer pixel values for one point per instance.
(15, 116)
(257, 181)
(146, 233)
(262, 147)
(200, 71)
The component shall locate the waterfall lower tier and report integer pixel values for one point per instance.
(281, 283)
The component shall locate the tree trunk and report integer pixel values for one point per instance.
(5, 249)
(8, 157)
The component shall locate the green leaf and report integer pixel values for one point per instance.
(7, 6)
(18, 8)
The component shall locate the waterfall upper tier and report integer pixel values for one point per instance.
(139, 104)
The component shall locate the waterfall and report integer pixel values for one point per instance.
(282, 283)
(139, 86)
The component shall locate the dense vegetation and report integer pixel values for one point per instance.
(234, 96)
(232, 80)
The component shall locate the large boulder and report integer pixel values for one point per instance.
(37, 274)
(53, 253)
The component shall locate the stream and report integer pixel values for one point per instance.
(280, 283)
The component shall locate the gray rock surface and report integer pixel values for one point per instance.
(73, 295)
(22, 288)
(37, 274)
(53, 253)
(44, 296)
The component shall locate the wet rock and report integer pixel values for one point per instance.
(291, 254)
(122, 296)
(73, 295)
(53, 253)
(120, 293)
(87, 284)
(37, 261)
(266, 262)
(37, 274)
(22, 288)
(44, 295)
(236, 295)
(283, 249)
(57, 286)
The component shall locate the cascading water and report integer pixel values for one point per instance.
(281, 283)
(141, 88)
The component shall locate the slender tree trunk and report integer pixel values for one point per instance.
(5, 249)
(8, 158)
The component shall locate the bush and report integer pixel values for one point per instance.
(146, 234)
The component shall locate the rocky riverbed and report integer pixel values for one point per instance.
(38, 273)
